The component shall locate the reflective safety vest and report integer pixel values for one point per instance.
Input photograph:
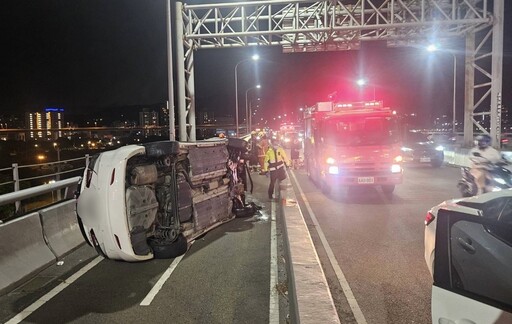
(273, 162)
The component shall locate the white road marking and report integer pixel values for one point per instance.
(274, 298)
(160, 283)
(354, 306)
(54, 292)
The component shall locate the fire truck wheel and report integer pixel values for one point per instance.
(437, 163)
(388, 189)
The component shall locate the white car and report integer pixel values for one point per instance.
(468, 251)
(144, 201)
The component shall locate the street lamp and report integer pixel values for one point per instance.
(255, 57)
(363, 82)
(248, 113)
(434, 48)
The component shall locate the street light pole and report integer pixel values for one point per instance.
(247, 113)
(255, 57)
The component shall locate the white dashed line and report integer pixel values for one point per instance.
(52, 293)
(160, 283)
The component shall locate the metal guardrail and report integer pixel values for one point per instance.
(55, 185)
(39, 190)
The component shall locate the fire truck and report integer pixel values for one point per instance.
(352, 144)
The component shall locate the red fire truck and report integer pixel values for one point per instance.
(352, 144)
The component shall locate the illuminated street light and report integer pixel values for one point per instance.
(363, 82)
(255, 57)
(434, 48)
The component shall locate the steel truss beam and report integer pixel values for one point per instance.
(310, 26)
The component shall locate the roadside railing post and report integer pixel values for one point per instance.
(59, 196)
(16, 180)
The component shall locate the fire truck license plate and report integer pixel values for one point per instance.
(365, 180)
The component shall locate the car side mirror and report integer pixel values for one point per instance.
(477, 154)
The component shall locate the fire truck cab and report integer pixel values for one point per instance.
(352, 144)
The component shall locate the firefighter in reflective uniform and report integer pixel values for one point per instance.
(275, 161)
(262, 149)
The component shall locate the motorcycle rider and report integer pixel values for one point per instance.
(481, 162)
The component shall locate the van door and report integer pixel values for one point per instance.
(472, 269)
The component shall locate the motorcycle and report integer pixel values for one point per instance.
(498, 178)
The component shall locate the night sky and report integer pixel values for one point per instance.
(90, 56)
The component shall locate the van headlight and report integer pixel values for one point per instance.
(396, 168)
(406, 149)
(330, 160)
(439, 148)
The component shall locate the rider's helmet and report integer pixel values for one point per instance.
(483, 141)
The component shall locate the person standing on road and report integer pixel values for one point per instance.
(295, 153)
(262, 150)
(275, 161)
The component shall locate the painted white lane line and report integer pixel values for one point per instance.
(354, 306)
(160, 283)
(54, 292)
(274, 298)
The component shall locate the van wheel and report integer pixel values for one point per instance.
(388, 189)
(162, 148)
(165, 250)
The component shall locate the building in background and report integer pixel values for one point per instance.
(148, 118)
(46, 125)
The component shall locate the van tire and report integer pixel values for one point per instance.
(162, 148)
(169, 251)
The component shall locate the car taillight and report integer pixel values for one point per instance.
(429, 218)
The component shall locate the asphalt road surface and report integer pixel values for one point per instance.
(377, 243)
(227, 276)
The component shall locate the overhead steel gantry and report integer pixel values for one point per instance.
(313, 26)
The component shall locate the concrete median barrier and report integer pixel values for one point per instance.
(311, 300)
(60, 227)
(23, 251)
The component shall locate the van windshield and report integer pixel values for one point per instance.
(360, 131)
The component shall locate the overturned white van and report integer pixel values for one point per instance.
(140, 202)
